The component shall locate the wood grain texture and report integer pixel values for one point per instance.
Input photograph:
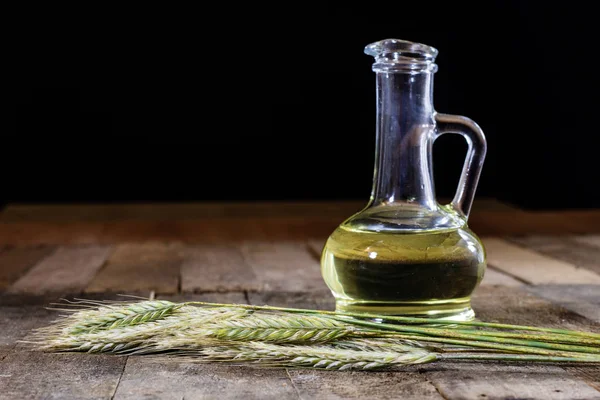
(316, 300)
(16, 261)
(517, 306)
(363, 385)
(214, 297)
(177, 380)
(140, 268)
(533, 267)
(582, 299)
(519, 222)
(495, 382)
(284, 266)
(17, 321)
(67, 270)
(494, 277)
(184, 211)
(565, 248)
(33, 375)
(592, 240)
(222, 227)
(192, 210)
(26, 374)
(220, 268)
(209, 230)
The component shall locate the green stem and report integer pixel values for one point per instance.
(544, 337)
(497, 346)
(512, 357)
(444, 333)
(406, 320)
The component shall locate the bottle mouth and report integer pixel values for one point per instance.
(395, 55)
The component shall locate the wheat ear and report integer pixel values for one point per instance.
(116, 315)
(313, 356)
(275, 328)
(124, 339)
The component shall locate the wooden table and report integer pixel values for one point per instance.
(544, 269)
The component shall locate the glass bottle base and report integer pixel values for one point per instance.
(452, 310)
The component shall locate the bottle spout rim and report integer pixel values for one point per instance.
(402, 56)
(401, 48)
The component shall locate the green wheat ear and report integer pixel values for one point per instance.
(118, 316)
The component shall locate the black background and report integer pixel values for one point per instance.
(278, 102)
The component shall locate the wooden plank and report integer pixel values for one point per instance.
(533, 267)
(228, 229)
(518, 222)
(17, 321)
(495, 277)
(592, 240)
(27, 374)
(180, 211)
(493, 381)
(284, 266)
(362, 385)
(15, 261)
(140, 267)
(143, 378)
(214, 297)
(193, 210)
(582, 299)
(210, 230)
(67, 270)
(210, 268)
(517, 306)
(565, 248)
(319, 300)
(149, 377)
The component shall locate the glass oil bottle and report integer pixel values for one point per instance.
(405, 254)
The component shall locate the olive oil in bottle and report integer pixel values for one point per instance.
(424, 274)
(404, 253)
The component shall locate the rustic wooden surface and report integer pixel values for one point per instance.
(544, 269)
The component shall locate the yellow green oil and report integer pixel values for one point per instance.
(422, 274)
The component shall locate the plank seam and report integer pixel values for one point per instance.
(287, 372)
(111, 250)
(584, 378)
(501, 271)
(313, 252)
(112, 396)
(437, 389)
(525, 247)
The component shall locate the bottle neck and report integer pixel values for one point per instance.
(405, 129)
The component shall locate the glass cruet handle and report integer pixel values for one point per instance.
(463, 199)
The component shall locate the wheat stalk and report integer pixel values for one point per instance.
(407, 320)
(270, 336)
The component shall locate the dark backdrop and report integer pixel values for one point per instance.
(278, 103)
